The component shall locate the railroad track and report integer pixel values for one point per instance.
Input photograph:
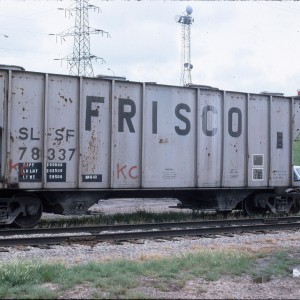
(117, 233)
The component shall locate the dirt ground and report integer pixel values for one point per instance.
(112, 206)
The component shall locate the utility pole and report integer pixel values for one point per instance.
(80, 61)
(186, 21)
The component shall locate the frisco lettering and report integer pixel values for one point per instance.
(127, 111)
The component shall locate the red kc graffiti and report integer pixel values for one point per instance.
(125, 172)
(13, 166)
(16, 167)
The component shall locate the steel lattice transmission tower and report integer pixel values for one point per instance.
(186, 21)
(80, 61)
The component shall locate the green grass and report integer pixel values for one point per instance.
(140, 216)
(296, 152)
(120, 278)
(278, 264)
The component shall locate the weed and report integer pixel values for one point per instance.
(121, 279)
(139, 216)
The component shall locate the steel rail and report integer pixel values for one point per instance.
(165, 225)
(126, 236)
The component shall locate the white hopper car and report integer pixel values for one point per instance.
(67, 142)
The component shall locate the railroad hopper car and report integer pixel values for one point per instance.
(66, 142)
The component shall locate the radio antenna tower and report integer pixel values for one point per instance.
(186, 21)
(80, 61)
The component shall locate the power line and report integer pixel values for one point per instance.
(27, 17)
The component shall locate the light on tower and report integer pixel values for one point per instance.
(186, 21)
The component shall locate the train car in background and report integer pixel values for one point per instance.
(66, 142)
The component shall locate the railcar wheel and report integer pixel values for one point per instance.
(33, 210)
(296, 207)
(256, 205)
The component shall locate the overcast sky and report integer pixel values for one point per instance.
(247, 46)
